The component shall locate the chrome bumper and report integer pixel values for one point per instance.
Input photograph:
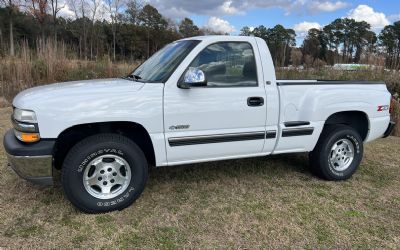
(36, 169)
(32, 162)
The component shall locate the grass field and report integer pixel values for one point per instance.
(251, 203)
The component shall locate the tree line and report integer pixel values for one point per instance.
(132, 29)
(342, 41)
(116, 28)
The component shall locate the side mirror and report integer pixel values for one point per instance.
(194, 77)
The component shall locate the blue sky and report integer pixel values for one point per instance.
(231, 15)
(272, 16)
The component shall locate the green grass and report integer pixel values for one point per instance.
(267, 202)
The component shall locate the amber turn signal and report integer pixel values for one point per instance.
(30, 137)
(27, 137)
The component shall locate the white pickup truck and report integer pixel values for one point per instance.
(198, 99)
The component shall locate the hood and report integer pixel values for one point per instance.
(74, 91)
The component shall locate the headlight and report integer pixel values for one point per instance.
(25, 125)
(22, 115)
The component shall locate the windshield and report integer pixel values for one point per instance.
(160, 66)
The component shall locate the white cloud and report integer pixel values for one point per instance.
(328, 6)
(303, 28)
(175, 12)
(314, 7)
(66, 12)
(185, 8)
(378, 20)
(228, 8)
(219, 25)
(182, 8)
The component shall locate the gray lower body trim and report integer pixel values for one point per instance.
(218, 138)
(389, 129)
(36, 169)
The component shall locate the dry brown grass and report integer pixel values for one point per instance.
(50, 63)
(269, 202)
(391, 78)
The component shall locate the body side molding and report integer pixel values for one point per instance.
(218, 138)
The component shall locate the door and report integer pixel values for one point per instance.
(226, 117)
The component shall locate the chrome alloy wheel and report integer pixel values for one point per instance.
(342, 154)
(107, 176)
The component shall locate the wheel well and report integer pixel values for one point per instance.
(355, 119)
(134, 131)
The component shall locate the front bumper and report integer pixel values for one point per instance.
(389, 129)
(32, 162)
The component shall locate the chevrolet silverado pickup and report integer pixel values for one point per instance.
(197, 99)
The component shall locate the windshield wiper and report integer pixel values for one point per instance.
(133, 78)
(136, 77)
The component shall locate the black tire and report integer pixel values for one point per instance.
(78, 159)
(320, 157)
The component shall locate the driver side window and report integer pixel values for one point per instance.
(228, 64)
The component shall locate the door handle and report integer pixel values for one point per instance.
(255, 101)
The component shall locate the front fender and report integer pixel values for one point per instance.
(61, 111)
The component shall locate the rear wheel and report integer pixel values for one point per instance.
(337, 154)
(104, 172)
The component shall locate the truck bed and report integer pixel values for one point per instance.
(314, 101)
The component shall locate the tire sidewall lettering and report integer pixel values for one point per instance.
(123, 197)
(99, 152)
(356, 144)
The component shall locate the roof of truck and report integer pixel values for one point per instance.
(221, 38)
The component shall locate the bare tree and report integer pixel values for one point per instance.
(296, 56)
(39, 9)
(55, 8)
(80, 9)
(133, 9)
(1, 40)
(12, 6)
(132, 12)
(114, 8)
(94, 8)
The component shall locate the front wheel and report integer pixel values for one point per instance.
(104, 172)
(337, 154)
